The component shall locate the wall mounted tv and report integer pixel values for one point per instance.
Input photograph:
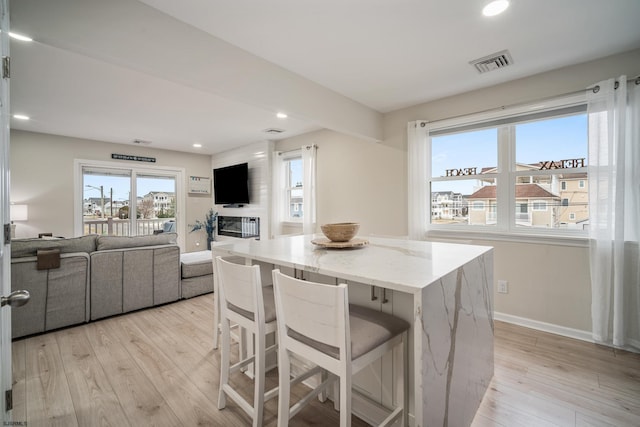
(231, 185)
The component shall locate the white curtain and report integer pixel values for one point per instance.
(277, 194)
(419, 169)
(614, 211)
(309, 161)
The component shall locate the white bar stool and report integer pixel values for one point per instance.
(246, 303)
(316, 322)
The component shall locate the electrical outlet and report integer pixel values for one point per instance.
(503, 287)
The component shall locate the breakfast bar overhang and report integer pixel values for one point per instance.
(444, 290)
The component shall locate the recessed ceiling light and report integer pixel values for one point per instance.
(197, 145)
(20, 37)
(281, 116)
(21, 117)
(495, 7)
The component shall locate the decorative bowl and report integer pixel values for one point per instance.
(341, 231)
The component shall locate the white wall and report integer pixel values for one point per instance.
(366, 182)
(357, 181)
(42, 177)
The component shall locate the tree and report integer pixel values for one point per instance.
(146, 208)
(123, 212)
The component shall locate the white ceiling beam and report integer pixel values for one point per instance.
(133, 35)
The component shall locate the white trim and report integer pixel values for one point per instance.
(181, 190)
(559, 330)
(540, 239)
(544, 327)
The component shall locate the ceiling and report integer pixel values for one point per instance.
(216, 72)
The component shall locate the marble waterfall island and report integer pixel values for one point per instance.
(444, 290)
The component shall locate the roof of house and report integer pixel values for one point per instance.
(523, 191)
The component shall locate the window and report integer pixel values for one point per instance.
(122, 200)
(539, 205)
(294, 188)
(517, 172)
(478, 206)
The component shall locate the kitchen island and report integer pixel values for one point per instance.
(444, 290)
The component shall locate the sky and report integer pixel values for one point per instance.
(544, 140)
(121, 186)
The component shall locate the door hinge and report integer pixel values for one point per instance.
(6, 67)
(8, 400)
(7, 234)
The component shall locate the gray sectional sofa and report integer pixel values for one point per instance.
(86, 278)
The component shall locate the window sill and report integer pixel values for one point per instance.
(556, 240)
(292, 224)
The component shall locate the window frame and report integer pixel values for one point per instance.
(287, 188)
(506, 227)
(135, 171)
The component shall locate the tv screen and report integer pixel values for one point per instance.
(231, 185)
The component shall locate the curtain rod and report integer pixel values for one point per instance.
(595, 88)
(308, 147)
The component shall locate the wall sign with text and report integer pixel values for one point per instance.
(133, 158)
(544, 165)
(199, 185)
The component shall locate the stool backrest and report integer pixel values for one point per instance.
(239, 287)
(314, 311)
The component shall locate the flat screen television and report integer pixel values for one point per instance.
(231, 185)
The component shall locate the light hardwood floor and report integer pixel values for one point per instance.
(157, 367)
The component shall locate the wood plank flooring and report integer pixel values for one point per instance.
(157, 367)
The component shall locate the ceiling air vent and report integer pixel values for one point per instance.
(141, 142)
(274, 131)
(493, 62)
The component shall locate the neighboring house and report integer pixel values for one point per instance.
(574, 207)
(295, 206)
(553, 200)
(535, 206)
(91, 206)
(446, 205)
(156, 202)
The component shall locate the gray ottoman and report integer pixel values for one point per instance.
(197, 273)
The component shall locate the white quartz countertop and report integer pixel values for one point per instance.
(397, 264)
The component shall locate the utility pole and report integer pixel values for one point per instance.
(101, 188)
(111, 201)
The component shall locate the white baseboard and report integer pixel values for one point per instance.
(544, 327)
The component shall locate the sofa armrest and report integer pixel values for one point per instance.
(59, 297)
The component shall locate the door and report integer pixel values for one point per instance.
(5, 258)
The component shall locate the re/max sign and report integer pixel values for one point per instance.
(562, 164)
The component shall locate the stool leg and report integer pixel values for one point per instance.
(284, 386)
(224, 363)
(345, 400)
(216, 313)
(322, 397)
(258, 379)
(405, 379)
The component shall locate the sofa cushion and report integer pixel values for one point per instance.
(29, 247)
(121, 242)
(196, 264)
